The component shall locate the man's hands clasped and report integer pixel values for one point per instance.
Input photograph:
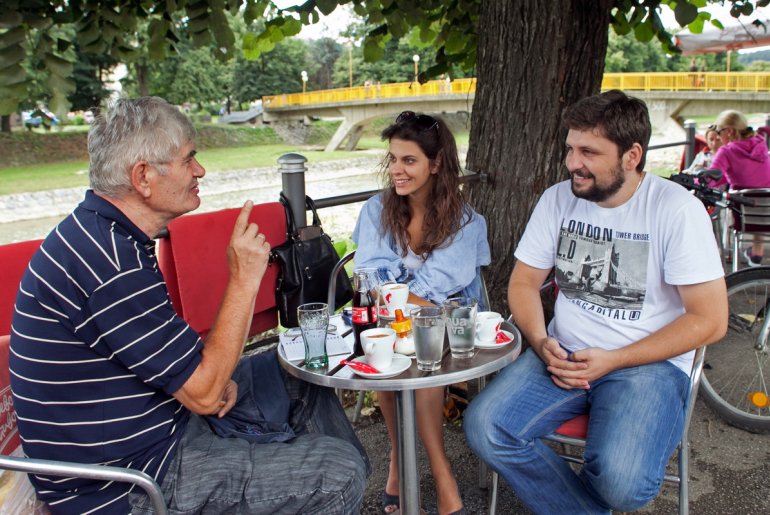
(577, 369)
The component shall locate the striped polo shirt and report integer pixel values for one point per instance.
(96, 353)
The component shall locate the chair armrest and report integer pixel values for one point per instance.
(101, 472)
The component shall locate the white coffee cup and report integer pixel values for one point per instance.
(395, 296)
(487, 325)
(378, 347)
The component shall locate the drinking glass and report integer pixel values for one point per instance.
(460, 317)
(313, 322)
(428, 333)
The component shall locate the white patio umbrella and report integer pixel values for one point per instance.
(732, 37)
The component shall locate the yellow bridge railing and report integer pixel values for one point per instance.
(750, 82)
(753, 82)
(358, 93)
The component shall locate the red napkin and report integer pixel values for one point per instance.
(502, 337)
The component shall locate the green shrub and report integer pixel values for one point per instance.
(30, 147)
(214, 136)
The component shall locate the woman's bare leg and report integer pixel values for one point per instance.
(430, 424)
(429, 404)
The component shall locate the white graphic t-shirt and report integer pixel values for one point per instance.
(617, 268)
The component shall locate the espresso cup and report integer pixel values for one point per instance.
(395, 296)
(378, 347)
(487, 325)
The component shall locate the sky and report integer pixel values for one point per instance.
(329, 26)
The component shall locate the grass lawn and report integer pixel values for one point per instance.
(19, 179)
(41, 177)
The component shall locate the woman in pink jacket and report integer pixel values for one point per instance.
(743, 159)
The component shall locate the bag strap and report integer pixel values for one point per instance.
(291, 226)
(310, 204)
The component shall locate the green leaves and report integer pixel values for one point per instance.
(326, 6)
(372, 50)
(685, 12)
(9, 19)
(59, 66)
(207, 22)
(11, 55)
(13, 77)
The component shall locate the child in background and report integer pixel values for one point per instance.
(703, 159)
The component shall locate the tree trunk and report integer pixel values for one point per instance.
(5, 123)
(534, 59)
(142, 79)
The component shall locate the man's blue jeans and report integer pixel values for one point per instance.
(636, 418)
(321, 471)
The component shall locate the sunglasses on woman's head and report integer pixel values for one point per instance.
(423, 121)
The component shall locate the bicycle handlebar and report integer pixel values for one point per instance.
(699, 185)
(736, 198)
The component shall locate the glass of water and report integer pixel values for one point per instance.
(428, 334)
(460, 317)
(313, 322)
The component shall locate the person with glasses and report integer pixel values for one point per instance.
(421, 232)
(744, 162)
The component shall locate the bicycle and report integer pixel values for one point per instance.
(737, 371)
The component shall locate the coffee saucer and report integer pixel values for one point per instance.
(492, 344)
(385, 312)
(400, 364)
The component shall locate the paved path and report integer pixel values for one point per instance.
(730, 469)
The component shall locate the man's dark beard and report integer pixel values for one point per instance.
(596, 193)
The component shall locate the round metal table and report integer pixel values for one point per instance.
(483, 362)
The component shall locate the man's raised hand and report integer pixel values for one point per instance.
(248, 252)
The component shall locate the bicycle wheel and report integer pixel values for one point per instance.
(737, 369)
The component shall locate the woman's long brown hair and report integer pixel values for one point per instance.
(446, 211)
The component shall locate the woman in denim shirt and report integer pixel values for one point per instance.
(420, 232)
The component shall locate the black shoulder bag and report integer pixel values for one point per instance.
(307, 260)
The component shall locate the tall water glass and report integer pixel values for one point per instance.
(314, 321)
(460, 317)
(428, 334)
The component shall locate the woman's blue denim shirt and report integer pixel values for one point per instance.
(449, 270)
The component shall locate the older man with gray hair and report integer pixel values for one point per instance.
(105, 372)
